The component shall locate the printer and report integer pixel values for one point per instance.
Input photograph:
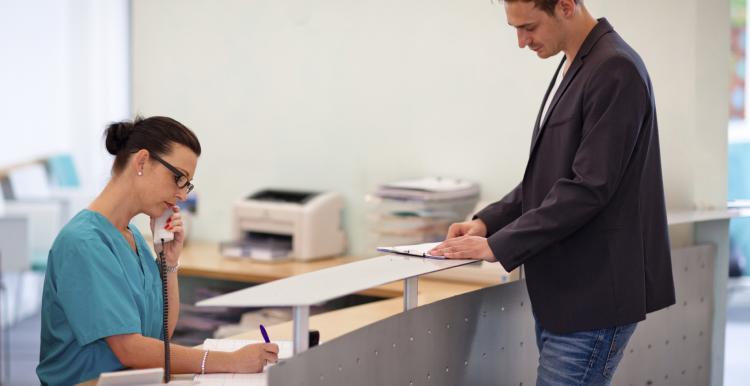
(285, 224)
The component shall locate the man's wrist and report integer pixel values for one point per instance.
(482, 225)
(491, 257)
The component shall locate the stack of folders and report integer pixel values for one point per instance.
(418, 211)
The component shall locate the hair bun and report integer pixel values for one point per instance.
(117, 135)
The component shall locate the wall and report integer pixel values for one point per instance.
(65, 74)
(339, 95)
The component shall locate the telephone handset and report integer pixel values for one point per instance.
(159, 232)
(162, 236)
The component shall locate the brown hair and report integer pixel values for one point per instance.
(155, 134)
(547, 6)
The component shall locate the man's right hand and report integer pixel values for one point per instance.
(474, 227)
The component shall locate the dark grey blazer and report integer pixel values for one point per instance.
(588, 221)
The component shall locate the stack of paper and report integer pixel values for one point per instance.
(429, 189)
(286, 350)
(418, 211)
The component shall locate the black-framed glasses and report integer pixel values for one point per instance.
(179, 178)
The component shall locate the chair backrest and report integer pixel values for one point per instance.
(29, 182)
(62, 171)
(15, 244)
(44, 223)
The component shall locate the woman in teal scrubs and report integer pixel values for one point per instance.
(102, 304)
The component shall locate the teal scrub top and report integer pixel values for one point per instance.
(96, 286)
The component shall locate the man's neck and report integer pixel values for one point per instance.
(578, 34)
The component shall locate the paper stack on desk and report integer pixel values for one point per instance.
(418, 211)
(286, 349)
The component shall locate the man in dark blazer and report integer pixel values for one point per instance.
(588, 220)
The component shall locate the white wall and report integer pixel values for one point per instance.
(101, 83)
(686, 47)
(341, 95)
(33, 75)
(65, 74)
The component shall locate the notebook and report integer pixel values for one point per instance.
(419, 250)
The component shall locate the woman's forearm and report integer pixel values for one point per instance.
(136, 351)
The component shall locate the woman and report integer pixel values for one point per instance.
(102, 301)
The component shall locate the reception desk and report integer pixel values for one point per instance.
(485, 336)
(469, 333)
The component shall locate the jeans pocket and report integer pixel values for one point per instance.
(620, 339)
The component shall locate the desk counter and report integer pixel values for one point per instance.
(202, 259)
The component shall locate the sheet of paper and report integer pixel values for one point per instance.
(145, 377)
(419, 250)
(286, 348)
(432, 184)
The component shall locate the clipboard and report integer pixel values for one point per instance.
(417, 250)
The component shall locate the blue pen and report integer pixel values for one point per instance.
(265, 334)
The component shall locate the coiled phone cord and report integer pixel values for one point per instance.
(165, 299)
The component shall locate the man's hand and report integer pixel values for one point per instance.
(465, 247)
(467, 228)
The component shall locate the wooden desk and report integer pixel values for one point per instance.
(202, 259)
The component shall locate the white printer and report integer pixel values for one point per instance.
(284, 224)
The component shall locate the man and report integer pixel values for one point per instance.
(588, 220)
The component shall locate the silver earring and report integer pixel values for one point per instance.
(140, 173)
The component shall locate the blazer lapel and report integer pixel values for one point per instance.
(602, 28)
(544, 102)
(572, 71)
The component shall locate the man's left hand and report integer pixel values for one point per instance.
(465, 247)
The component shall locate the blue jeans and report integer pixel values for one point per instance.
(580, 358)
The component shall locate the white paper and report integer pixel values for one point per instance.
(286, 349)
(432, 184)
(144, 377)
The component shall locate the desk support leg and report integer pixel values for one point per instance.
(717, 233)
(301, 318)
(410, 292)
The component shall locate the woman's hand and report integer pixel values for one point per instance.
(253, 357)
(172, 249)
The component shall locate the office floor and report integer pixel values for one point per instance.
(24, 343)
(23, 339)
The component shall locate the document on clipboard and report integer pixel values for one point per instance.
(419, 250)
